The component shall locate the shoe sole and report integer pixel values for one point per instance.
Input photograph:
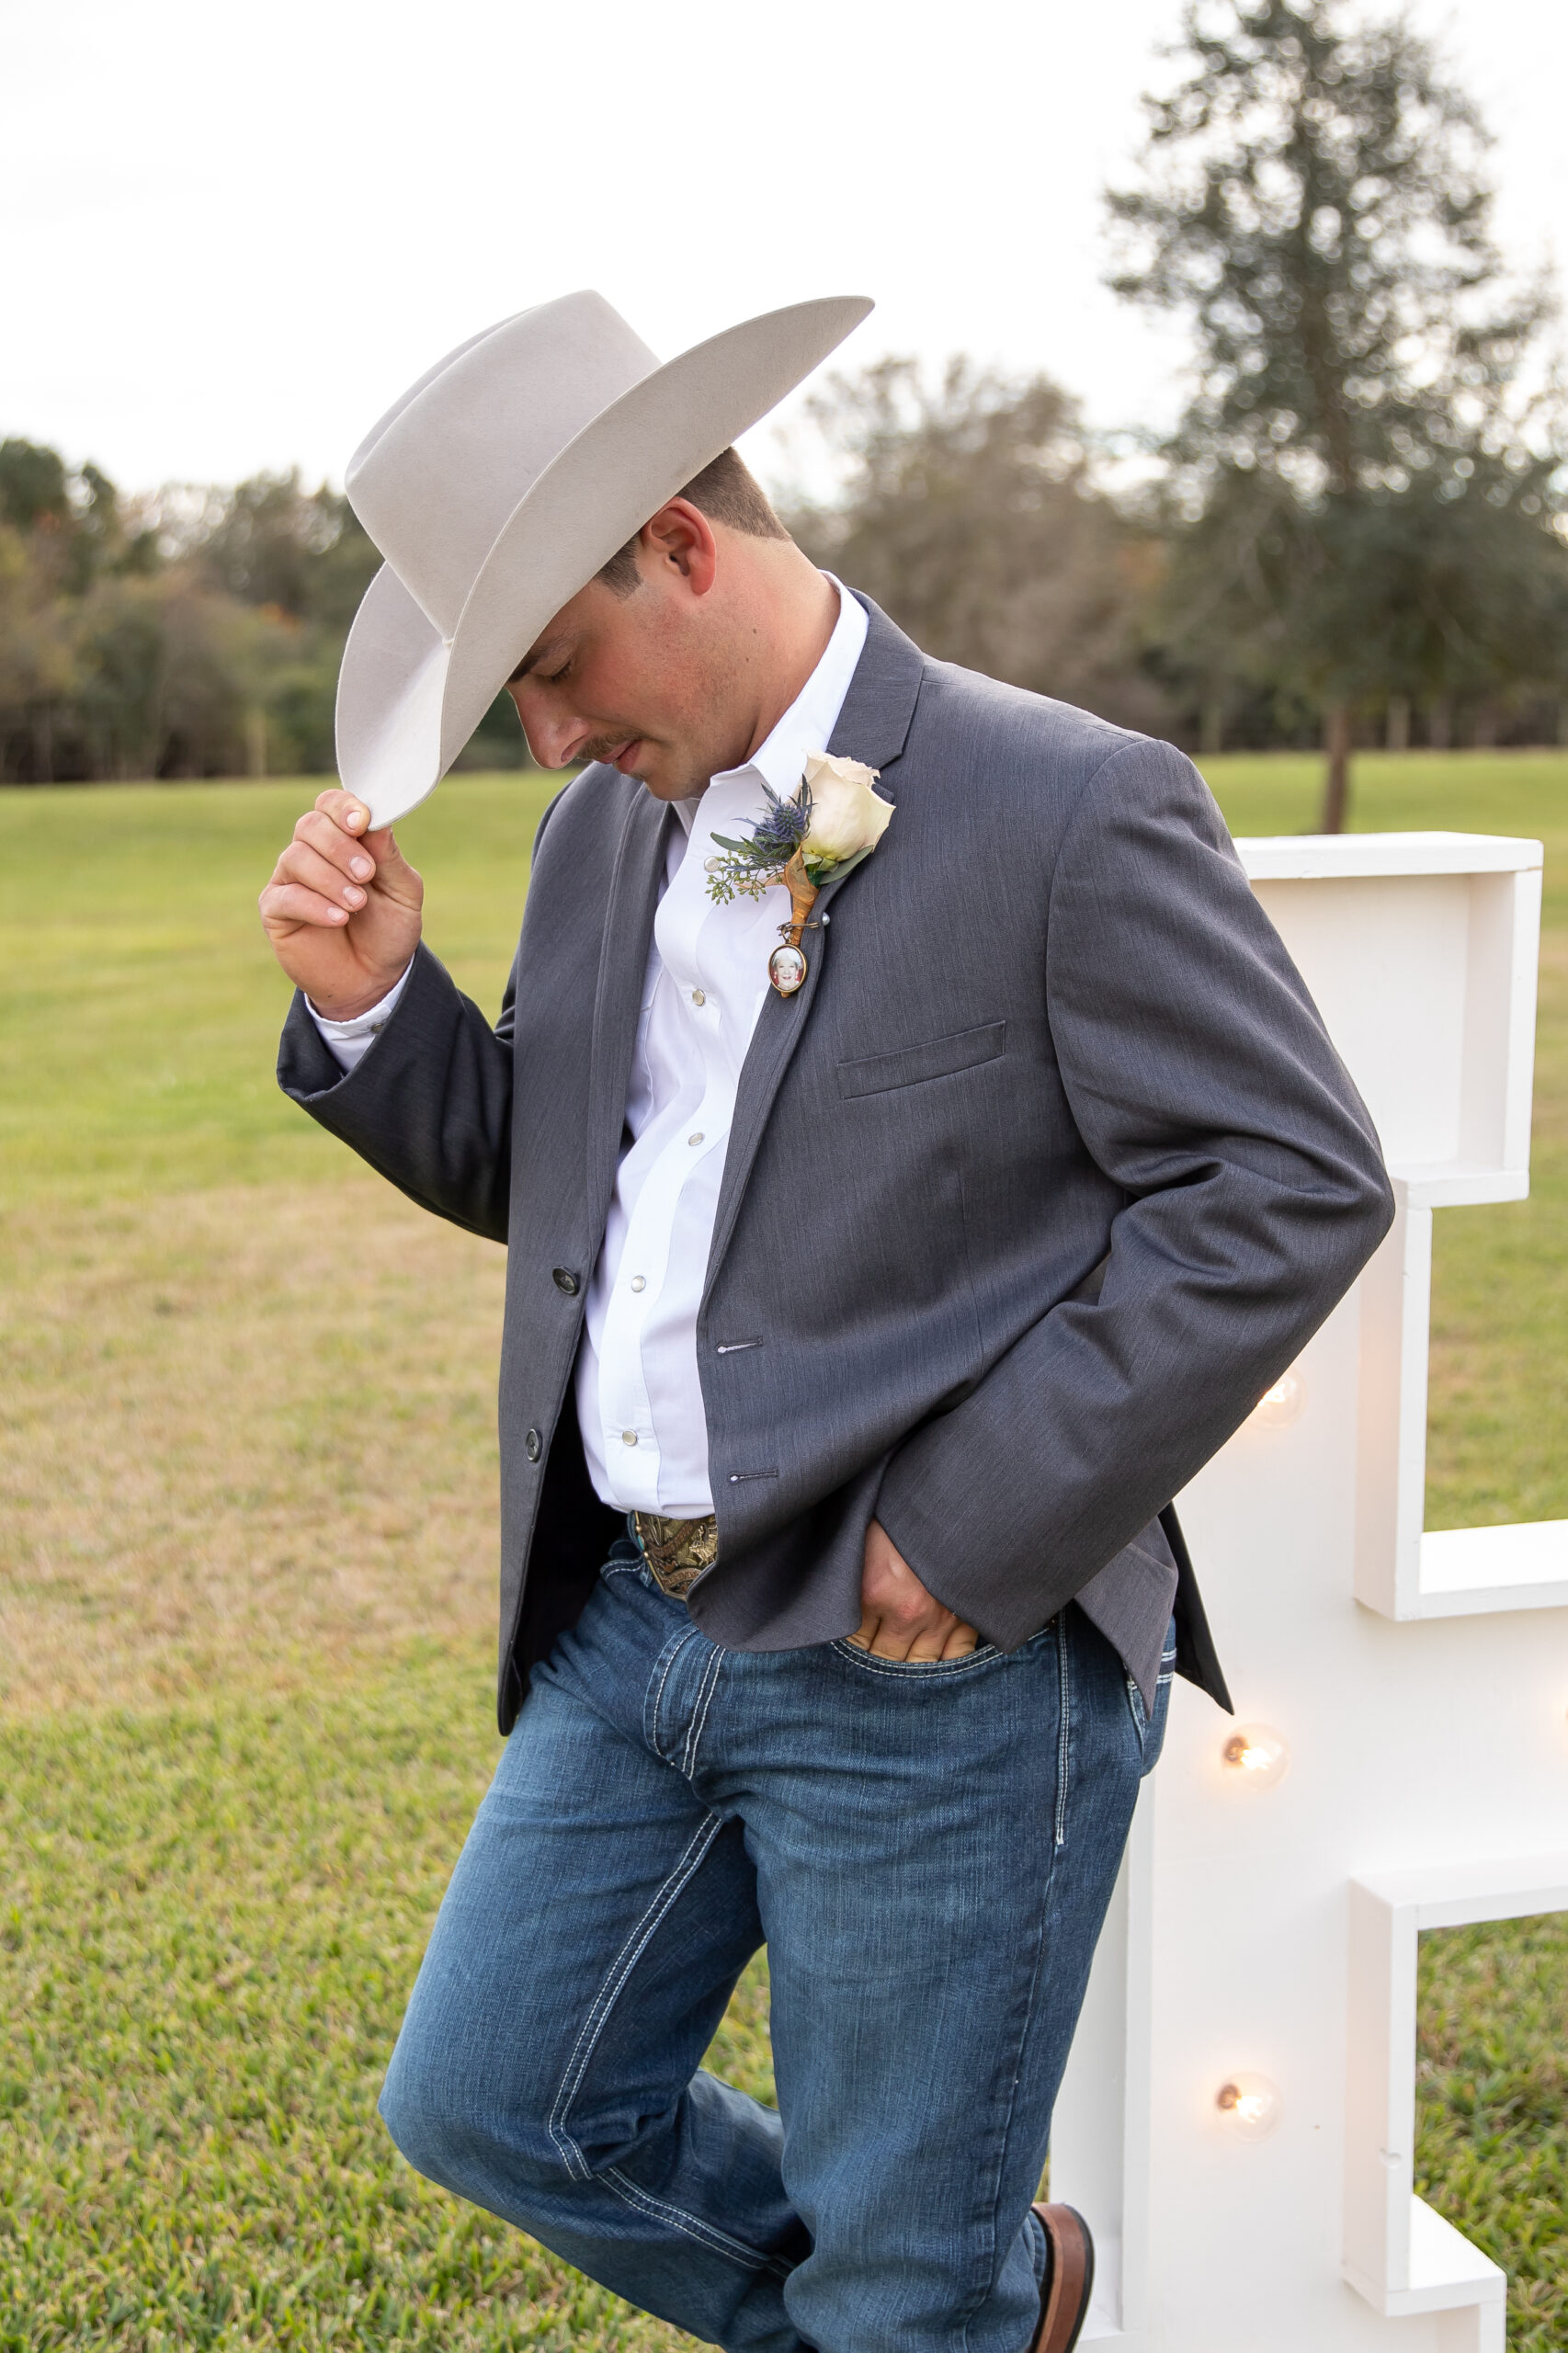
(1072, 2282)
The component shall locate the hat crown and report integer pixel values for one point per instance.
(434, 479)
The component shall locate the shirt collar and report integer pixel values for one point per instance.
(779, 761)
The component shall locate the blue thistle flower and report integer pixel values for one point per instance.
(779, 834)
(775, 837)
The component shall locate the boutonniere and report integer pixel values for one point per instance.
(829, 825)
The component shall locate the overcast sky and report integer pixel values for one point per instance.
(232, 235)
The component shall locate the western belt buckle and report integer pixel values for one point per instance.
(677, 1552)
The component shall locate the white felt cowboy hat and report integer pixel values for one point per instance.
(498, 485)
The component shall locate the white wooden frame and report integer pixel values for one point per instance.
(1401, 2256)
(1420, 1682)
(1447, 1075)
(1401, 1569)
(1463, 938)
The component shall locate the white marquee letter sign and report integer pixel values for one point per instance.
(1238, 2116)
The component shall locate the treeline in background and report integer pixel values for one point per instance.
(1357, 532)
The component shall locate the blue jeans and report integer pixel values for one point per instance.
(928, 1852)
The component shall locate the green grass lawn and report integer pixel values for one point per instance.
(247, 1531)
(211, 1918)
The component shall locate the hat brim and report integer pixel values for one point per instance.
(408, 701)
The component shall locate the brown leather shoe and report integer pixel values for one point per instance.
(1069, 2281)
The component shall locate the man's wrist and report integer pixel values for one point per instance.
(349, 1036)
(342, 1011)
(351, 1009)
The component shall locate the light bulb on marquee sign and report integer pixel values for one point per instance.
(1249, 2107)
(1255, 1758)
(1280, 1404)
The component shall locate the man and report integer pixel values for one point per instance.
(857, 1339)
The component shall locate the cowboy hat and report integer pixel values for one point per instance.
(499, 484)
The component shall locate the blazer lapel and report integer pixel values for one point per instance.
(871, 727)
(623, 961)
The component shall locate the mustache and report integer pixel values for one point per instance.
(601, 747)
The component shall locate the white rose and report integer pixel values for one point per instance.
(847, 815)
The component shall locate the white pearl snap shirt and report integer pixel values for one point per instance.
(639, 1397)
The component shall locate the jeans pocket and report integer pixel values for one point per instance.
(1150, 1724)
(916, 1670)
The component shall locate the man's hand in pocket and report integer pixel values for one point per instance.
(898, 1617)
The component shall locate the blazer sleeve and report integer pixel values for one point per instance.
(1203, 1084)
(429, 1106)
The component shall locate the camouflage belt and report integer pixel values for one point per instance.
(677, 1551)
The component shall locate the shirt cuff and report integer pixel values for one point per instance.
(350, 1042)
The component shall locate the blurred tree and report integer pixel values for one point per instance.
(969, 511)
(151, 697)
(97, 536)
(497, 742)
(121, 654)
(269, 542)
(71, 521)
(34, 485)
(1365, 495)
(36, 666)
(303, 558)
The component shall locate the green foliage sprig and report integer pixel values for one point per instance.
(750, 868)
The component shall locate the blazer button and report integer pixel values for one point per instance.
(533, 1446)
(565, 1280)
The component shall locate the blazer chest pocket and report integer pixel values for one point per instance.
(937, 1057)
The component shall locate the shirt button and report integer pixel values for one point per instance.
(639, 1282)
(699, 996)
(697, 1138)
(565, 1280)
(629, 1438)
(533, 1446)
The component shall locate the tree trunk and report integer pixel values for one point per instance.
(1336, 779)
(1398, 734)
(1440, 723)
(256, 741)
(1211, 726)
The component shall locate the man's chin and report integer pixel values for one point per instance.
(658, 767)
(664, 779)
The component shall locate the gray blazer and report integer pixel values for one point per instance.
(1045, 1175)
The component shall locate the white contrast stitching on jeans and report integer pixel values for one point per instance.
(693, 2226)
(910, 1670)
(604, 2002)
(699, 1713)
(694, 1714)
(1064, 1716)
(689, 1636)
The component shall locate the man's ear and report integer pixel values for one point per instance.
(678, 542)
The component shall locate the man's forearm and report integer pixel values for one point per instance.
(1205, 1086)
(431, 1108)
(1105, 1410)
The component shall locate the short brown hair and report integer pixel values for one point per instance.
(726, 493)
